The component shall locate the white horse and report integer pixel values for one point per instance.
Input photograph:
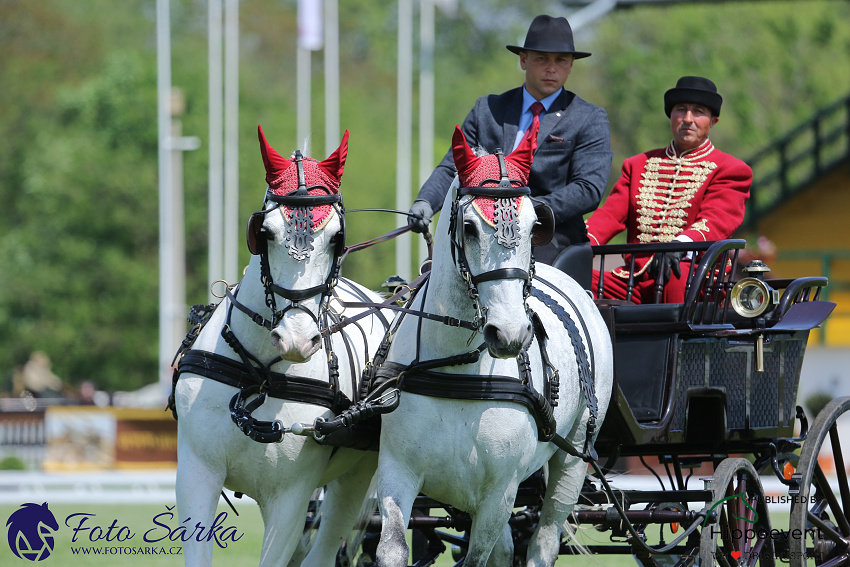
(273, 330)
(473, 454)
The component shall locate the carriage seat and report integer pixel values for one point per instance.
(648, 313)
(627, 312)
(577, 262)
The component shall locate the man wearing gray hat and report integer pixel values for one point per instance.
(573, 157)
(689, 191)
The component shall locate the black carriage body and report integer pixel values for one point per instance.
(677, 392)
(698, 378)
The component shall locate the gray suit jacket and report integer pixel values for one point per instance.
(571, 165)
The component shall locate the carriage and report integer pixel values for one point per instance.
(706, 388)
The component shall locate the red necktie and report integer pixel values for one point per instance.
(536, 109)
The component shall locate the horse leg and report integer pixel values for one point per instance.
(489, 530)
(566, 476)
(397, 490)
(340, 510)
(284, 513)
(503, 551)
(198, 489)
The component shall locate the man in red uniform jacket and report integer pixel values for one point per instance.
(688, 191)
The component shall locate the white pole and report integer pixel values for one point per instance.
(309, 39)
(332, 135)
(216, 179)
(167, 341)
(404, 130)
(179, 144)
(231, 141)
(302, 80)
(426, 100)
(178, 277)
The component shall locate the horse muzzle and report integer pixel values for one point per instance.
(504, 342)
(294, 347)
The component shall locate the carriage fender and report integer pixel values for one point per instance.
(804, 316)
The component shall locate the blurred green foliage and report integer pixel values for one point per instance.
(78, 138)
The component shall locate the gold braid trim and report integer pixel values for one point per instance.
(667, 187)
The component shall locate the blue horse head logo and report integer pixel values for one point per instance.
(31, 530)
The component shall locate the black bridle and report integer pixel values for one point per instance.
(504, 193)
(299, 238)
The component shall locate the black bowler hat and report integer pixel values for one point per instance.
(550, 35)
(695, 90)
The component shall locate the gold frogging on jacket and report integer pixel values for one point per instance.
(667, 187)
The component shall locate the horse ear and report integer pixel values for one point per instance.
(465, 159)
(523, 155)
(274, 162)
(335, 164)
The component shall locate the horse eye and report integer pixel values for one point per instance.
(469, 229)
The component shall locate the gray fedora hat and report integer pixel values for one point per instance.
(695, 90)
(550, 35)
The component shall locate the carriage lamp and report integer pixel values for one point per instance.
(751, 296)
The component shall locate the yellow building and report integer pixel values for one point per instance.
(801, 204)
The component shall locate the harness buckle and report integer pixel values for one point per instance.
(452, 322)
(277, 425)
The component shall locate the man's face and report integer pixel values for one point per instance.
(690, 123)
(545, 73)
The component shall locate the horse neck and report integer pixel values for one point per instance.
(445, 294)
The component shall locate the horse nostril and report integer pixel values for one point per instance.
(492, 335)
(316, 340)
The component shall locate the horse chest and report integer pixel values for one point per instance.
(460, 438)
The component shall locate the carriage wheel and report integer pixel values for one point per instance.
(821, 515)
(741, 535)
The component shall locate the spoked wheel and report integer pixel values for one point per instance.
(819, 516)
(741, 535)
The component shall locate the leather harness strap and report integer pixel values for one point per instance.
(233, 373)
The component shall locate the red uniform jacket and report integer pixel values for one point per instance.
(660, 195)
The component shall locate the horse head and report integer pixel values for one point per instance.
(299, 236)
(492, 227)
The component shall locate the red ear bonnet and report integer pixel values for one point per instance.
(283, 179)
(466, 162)
(335, 164)
(275, 163)
(523, 155)
(472, 170)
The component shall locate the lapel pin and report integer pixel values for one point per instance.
(558, 114)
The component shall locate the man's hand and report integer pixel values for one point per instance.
(665, 262)
(419, 216)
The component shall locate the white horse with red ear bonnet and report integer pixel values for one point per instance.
(268, 358)
(466, 431)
